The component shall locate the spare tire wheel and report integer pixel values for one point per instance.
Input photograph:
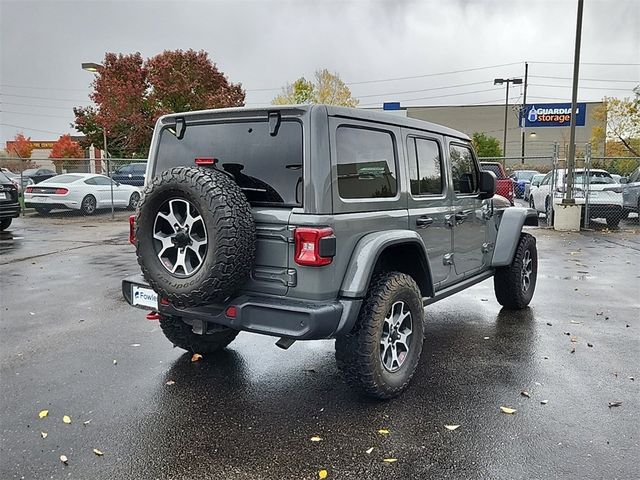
(195, 236)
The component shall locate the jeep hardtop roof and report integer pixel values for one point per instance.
(332, 110)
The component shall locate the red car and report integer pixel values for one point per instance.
(504, 185)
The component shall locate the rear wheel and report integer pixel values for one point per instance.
(379, 357)
(181, 335)
(613, 221)
(549, 211)
(88, 205)
(4, 224)
(134, 199)
(515, 284)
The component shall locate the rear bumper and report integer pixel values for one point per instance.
(602, 211)
(51, 203)
(276, 316)
(9, 209)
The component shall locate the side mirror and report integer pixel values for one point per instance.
(624, 180)
(487, 184)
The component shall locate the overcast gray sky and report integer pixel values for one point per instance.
(264, 44)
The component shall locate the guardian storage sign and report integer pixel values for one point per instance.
(553, 115)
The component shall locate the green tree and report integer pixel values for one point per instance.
(486, 145)
(328, 89)
(618, 124)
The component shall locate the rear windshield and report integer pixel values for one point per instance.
(268, 168)
(62, 179)
(492, 168)
(594, 178)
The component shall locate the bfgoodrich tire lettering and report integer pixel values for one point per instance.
(226, 218)
(515, 284)
(358, 354)
(181, 335)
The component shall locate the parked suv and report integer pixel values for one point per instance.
(504, 185)
(631, 193)
(9, 206)
(315, 222)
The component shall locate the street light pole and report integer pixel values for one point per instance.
(500, 81)
(94, 68)
(523, 109)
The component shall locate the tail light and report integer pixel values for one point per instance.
(29, 189)
(315, 247)
(132, 229)
(61, 191)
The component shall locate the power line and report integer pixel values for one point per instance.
(423, 90)
(593, 63)
(44, 88)
(35, 114)
(28, 128)
(433, 74)
(587, 79)
(585, 88)
(43, 98)
(36, 106)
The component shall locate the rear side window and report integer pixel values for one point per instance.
(366, 163)
(463, 170)
(425, 166)
(267, 168)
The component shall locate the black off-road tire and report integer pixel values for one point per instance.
(508, 281)
(5, 223)
(181, 335)
(230, 228)
(358, 353)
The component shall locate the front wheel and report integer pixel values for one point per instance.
(134, 200)
(379, 357)
(181, 335)
(515, 284)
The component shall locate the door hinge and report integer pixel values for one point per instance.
(448, 259)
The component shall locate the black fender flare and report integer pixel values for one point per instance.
(511, 222)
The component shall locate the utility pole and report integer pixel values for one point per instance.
(574, 101)
(501, 81)
(524, 106)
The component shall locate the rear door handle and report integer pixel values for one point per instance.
(424, 222)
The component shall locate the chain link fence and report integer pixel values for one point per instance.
(76, 187)
(607, 188)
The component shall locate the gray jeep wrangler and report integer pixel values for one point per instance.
(317, 222)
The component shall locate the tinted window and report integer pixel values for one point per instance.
(268, 168)
(425, 166)
(139, 167)
(490, 167)
(124, 169)
(546, 180)
(4, 178)
(366, 163)
(463, 170)
(101, 181)
(594, 178)
(634, 176)
(90, 181)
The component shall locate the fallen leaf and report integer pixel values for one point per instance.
(43, 413)
(550, 324)
(115, 362)
(614, 404)
(567, 333)
(486, 338)
(575, 323)
(98, 452)
(484, 299)
(315, 439)
(322, 474)
(382, 431)
(573, 350)
(196, 357)
(31, 313)
(574, 339)
(451, 427)
(369, 450)
(310, 370)
(64, 459)
(508, 410)
(66, 419)
(546, 358)
(589, 344)
(390, 460)
(631, 378)
(599, 313)
(87, 422)
(544, 402)
(524, 393)
(43, 434)
(134, 345)
(170, 382)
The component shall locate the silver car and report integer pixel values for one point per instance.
(631, 192)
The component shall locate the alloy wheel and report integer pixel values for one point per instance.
(395, 339)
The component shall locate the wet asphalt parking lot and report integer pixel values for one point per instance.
(70, 344)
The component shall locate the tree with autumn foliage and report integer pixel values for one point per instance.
(131, 93)
(65, 148)
(618, 126)
(20, 146)
(328, 89)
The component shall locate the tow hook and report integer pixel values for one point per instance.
(153, 315)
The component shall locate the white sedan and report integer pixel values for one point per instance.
(80, 191)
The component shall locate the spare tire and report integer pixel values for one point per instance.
(195, 236)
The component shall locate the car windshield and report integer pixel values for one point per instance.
(594, 178)
(4, 178)
(62, 179)
(30, 171)
(526, 175)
